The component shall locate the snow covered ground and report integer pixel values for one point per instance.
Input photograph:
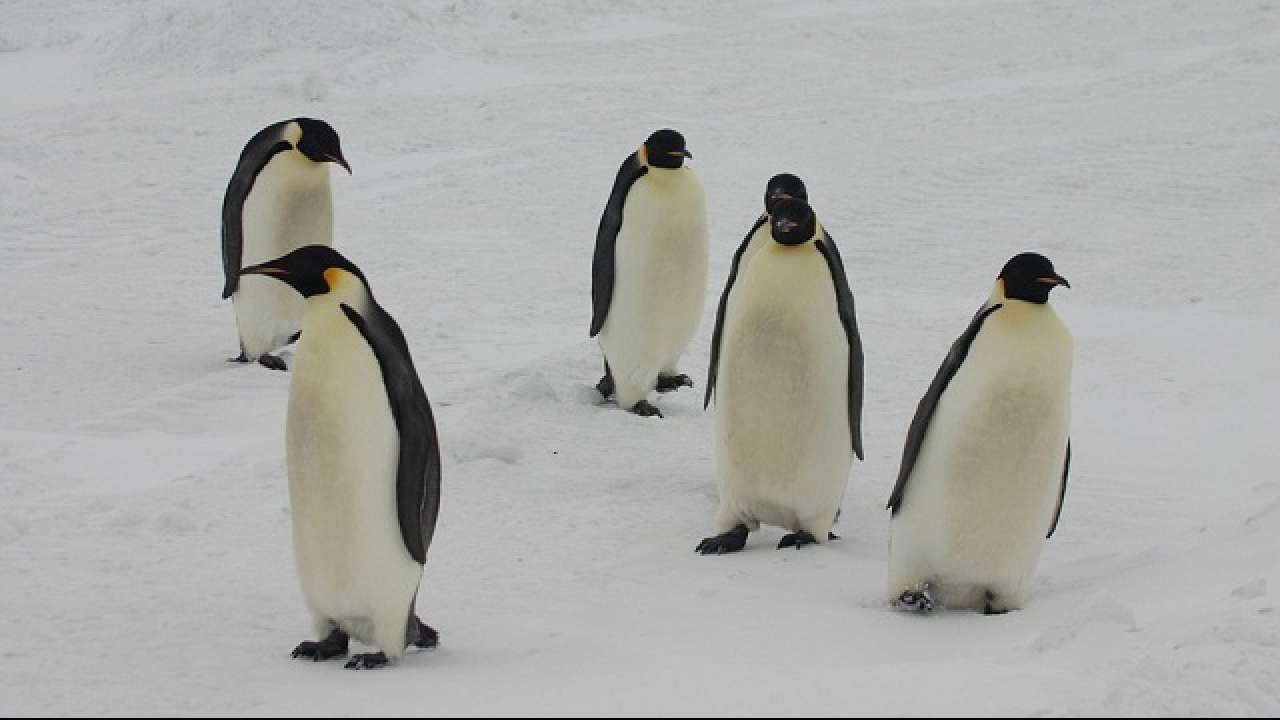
(144, 533)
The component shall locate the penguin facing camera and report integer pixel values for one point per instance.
(649, 272)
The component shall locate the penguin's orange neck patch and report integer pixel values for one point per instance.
(643, 154)
(332, 278)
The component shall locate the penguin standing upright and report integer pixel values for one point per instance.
(788, 388)
(649, 272)
(984, 470)
(278, 200)
(782, 186)
(364, 463)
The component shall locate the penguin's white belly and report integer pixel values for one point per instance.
(783, 441)
(660, 280)
(289, 206)
(343, 450)
(761, 238)
(985, 485)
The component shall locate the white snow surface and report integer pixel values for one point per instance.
(144, 523)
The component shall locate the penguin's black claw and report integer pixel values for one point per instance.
(426, 637)
(796, 540)
(294, 337)
(916, 601)
(366, 661)
(271, 361)
(991, 607)
(667, 383)
(605, 387)
(726, 542)
(239, 359)
(330, 647)
(832, 536)
(644, 409)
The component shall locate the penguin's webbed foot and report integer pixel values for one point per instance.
(726, 542)
(366, 661)
(268, 360)
(426, 636)
(832, 536)
(644, 409)
(241, 358)
(667, 383)
(917, 601)
(330, 647)
(605, 387)
(796, 540)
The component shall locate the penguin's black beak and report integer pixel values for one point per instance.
(786, 225)
(1054, 280)
(264, 269)
(682, 153)
(340, 160)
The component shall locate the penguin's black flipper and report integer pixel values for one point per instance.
(726, 542)
(714, 367)
(366, 661)
(602, 271)
(255, 156)
(929, 403)
(1062, 491)
(849, 319)
(330, 647)
(418, 473)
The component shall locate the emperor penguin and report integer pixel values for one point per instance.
(984, 470)
(782, 186)
(278, 200)
(649, 272)
(364, 463)
(788, 389)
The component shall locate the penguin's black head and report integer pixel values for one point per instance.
(309, 269)
(1030, 277)
(783, 187)
(320, 143)
(665, 149)
(793, 222)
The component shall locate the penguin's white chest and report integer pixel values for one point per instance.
(289, 206)
(981, 497)
(343, 453)
(782, 392)
(660, 274)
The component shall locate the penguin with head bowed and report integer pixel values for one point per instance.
(649, 272)
(783, 186)
(364, 463)
(788, 388)
(278, 200)
(984, 470)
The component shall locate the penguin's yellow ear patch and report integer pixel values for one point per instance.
(332, 277)
(643, 155)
